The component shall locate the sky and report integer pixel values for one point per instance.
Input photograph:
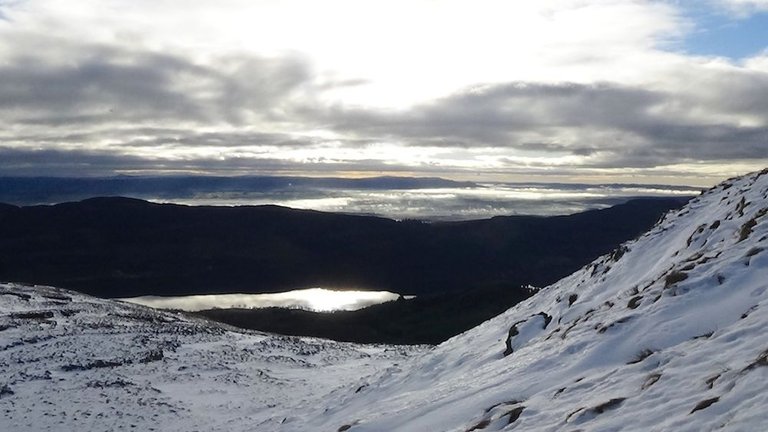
(593, 91)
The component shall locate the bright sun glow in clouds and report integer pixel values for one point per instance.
(492, 89)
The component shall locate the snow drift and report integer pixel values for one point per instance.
(665, 333)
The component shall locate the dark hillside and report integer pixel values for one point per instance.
(119, 247)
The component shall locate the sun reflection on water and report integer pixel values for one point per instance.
(314, 299)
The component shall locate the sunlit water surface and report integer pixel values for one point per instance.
(313, 299)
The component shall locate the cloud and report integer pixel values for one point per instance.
(93, 84)
(53, 162)
(607, 125)
(744, 7)
(237, 87)
(491, 115)
(100, 162)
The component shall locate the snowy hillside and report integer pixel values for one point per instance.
(667, 333)
(74, 362)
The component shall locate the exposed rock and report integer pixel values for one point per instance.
(704, 404)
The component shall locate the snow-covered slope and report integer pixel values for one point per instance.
(73, 362)
(664, 334)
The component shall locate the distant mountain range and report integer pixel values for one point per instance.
(49, 190)
(433, 199)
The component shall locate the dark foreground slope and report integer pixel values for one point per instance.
(119, 247)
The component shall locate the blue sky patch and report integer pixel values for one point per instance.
(719, 34)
